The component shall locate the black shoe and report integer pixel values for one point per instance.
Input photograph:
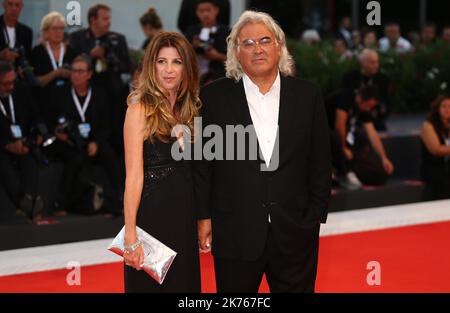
(26, 205)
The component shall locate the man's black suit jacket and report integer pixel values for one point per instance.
(239, 197)
(26, 113)
(24, 37)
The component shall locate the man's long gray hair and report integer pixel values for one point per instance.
(233, 67)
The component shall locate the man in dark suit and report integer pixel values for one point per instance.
(18, 166)
(14, 35)
(263, 216)
(209, 40)
(109, 51)
(82, 132)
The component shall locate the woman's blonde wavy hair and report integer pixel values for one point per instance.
(233, 67)
(155, 99)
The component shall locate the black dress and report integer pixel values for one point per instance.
(167, 213)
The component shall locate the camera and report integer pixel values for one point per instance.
(111, 46)
(23, 63)
(206, 45)
(35, 148)
(71, 129)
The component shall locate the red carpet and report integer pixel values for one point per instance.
(412, 259)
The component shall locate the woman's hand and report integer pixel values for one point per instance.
(134, 258)
(388, 166)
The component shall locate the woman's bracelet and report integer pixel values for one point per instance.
(132, 247)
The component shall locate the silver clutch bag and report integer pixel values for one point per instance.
(157, 256)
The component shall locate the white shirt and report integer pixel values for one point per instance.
(402, 45)
(264, 113)
(11, 36)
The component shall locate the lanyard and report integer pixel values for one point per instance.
(11, 109)
(5, 34)
(82, 110)
(52, 57)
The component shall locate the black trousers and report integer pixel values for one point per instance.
(19, 175)
(366, 163)
(293, 273)
(75, 161)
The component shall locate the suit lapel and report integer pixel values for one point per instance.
(242, 112)
(285, 118)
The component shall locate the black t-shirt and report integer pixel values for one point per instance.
(97, 114)
(41, 61)
(42, 65)
(354, 80)
(346, 102)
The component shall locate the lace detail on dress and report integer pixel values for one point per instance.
(158, 165)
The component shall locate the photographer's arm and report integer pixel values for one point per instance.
(377, 145)
(431, 141)
(46, 79)
(8, 55)
(124, 56)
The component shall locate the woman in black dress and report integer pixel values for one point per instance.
(159, 192)
(51, 63)
(435, 137)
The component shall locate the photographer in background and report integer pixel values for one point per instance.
(187, 15)
(18, 162)
(82, 132)
(111, 62)
(51, 62)
(151, 26)
(209, 40)
(358, 152)
(14, 34)
(369, 74)
(16, 40)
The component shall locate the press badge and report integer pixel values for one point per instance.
(16, 131)
(84, 129)
(60, 83)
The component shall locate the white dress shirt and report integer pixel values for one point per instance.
(402, 45)
(264, 113)
(11, 36)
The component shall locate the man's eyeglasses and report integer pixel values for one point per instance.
(250, 44)
(79, 71)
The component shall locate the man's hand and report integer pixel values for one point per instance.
(388, 166)
(17, 147)
(62, 136)
(61, 73)
(348, 154)
(92, 149)
(8, 55)
(204, 235)
(39, 140)
(196, 43)
(97, 52)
